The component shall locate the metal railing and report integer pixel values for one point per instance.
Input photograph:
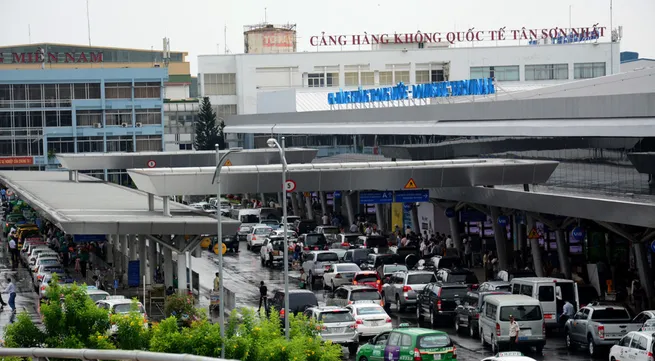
(88, 354)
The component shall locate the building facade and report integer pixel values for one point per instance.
(235, 82)
(45, 112)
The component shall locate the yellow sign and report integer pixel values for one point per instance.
(397, 216)
(216, 248)
(410, 184)
(205, 243)
(227, 163)
(307, 194)
(533, 234)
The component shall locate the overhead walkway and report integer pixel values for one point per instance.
(344, 176)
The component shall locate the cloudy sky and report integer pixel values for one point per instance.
(197, 26)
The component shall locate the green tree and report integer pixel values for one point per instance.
(208, 132)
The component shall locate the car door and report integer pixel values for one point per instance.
(637, 350)
(379, 344)
(579, 333)
(392, 349)
(624, 347)
(328, 275)
(423, 299)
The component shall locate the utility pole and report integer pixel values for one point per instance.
(88, 21)
(611, 41)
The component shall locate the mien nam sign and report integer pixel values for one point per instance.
(39, 57)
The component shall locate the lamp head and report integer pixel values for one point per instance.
(272, 143)
(235, 149)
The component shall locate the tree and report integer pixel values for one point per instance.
(208, 133)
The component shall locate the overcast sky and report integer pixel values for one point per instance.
(197, 26)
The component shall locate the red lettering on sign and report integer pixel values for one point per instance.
(82, 59)
(19, 57)
(53, 57)
(70, 58)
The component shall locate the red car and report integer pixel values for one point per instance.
(368, 278)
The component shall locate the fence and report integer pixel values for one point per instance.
(87, 354)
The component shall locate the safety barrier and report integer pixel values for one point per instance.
(88, 354)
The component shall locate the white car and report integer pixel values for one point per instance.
(41, 253)
(509, 356)
(97, 295)
(257, 236)
(27, 253)
(268, 257)
(121, 305)
(634, 346)
(44, 261)
(370, 319)
(280, 233)
(339, 274)
(48, 270)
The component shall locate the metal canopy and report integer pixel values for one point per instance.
(644, 162)
(126, 160)
(587, 206)
(91, 206)
(344, 176)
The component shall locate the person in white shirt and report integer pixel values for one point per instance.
(354, 228)
(269, 252)
(514, 330)
(567, 312)
(11, 290)
(326, 220)
(449, 242)
(11, 231)
(14, 252)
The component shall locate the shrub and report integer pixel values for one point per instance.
(182, 308)
(132, 330)
(23, 333)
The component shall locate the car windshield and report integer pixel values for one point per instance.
(263, 230)
(312, 240)
(330, 230)
(610, 314)
(249, 218)
(98, 297)
(420, 279)
(300, 300)
(433, 341)
(394, 268)
(361, 255)
(465, 278)
(127, 307)
(365, 295)
(278, 245)
(335, 316)
(366, 278)
(55, 269)
(370, 311)
(48, 261)
(352, 239)
(327, 257)
(521, 313)
(453, 292)
(347, 268)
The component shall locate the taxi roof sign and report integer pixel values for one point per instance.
(649, 329)
(403, 325)
(509, 354)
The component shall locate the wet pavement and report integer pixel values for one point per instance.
(243, 272)
(26, 297)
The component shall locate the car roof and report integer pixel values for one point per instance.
(346, 264)
(418, 331)
(117, 301)
(291, 292)
(497, 283)
(541, 280)
(329, 309)
(357, 287)
(415, 272)
(511, 298)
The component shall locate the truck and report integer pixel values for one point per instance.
(598, 327)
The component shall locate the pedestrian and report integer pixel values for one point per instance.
(11, 290)
(449, 242)
(514, 330)
(354, 228)
(567, 312)
(217, 281)
(468, 253)
(263, 296)
(13, 250)
(489, 266)
(325, 219)
(303, 279)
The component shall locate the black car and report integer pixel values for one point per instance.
(458, 275)
(299, 301)
(467, 314)
(375, 260)
(357, 256)
(313, 241)
(438, 302)
(305, 226)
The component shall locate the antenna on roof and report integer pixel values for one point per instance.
(29, 33)
(265, 17)
(88, 21)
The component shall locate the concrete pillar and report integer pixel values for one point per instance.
(279, 198)
(197, 252)
(189, 263)
(379, 217)
(116, 244)
(324, 205)
(563, 253)
(294, 204)
(263, 200)
(133, 246)
(125, 254)
(415, 223)
(143, 266)
(350, 212)
(168, 267)
(109, 250)
(453, 222)
(534, 248)
(153, 260)
(308, 205)
(641, 261)
(181, 273)
(500, 237)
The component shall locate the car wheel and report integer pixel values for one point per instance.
(569, 341)
(494, 345)
(433, 319)
(471, 330)
(419, 318)
(591, 347)
(363, 358)
(399, 307)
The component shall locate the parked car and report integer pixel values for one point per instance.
(330, 232)
(409, 343)
(636, 345)
(47, 269)
(547, 290)
(375, 260)
(403, 288)
(386, 270)
(358, 256)
(305, 226)
(458, 275)
(337, 326)
(116, 305)
(299, 301)
(368, 278)
(313, 241)
(316, 262)
(270, 258)
(467, 314)
(370, 319)
(339, 274)
(346, 295)
(352, 239)
(438, 302)
(255, 239)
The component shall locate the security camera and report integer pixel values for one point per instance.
(272, 143)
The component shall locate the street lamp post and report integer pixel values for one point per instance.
(220, 161)
(272, 143)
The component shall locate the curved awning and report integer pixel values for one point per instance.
(344, 176)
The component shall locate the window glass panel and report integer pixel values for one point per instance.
(148, 116)
(316, 80)
(118, 90)
(94, 91)
(89, 144)
(118, 117)
(220, 84)
(547, 72)
(19, 91)
(5, 120)
(61, 145)
(150, 90)
(120, 144)
(65, 118)
(88, 118)
(36, 92)
(436, 76)
(332, 79)
(368, 78)
(80, 91)
(588, 70)
(36, 119)
(65, 92)
(20, 120)
(51, 119)
(402, 76)
(351, 79)
(422, 76)
(148, 143)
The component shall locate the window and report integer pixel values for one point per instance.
(61, 145)
(394, 339)
(36, 119)
(402, 76)
(89, 144)
(588, 70)
(118, 90)
(332, 79)
(80, 91)
(516, 289)
(419, 279)
(436, 76)
(118, 117)
(625, 341)
(220, 84)
(546, 293)
(36, 92)
(146, 143)
(150, 90)
(610, 314)
(223, 110)
(65, 118)
(94, 90)
(368, 78)
(526, 290)
(521, 313)
(422, 76)
(547, 72)
(434, 341)
(148, 116)
(335, 317)
(51, 119)
(20, 120)
(65, 91)
(88, 118)
(405, 340)
(315, 80)
(351, 79)
(499, 73)
(120, 144)
(5, 94)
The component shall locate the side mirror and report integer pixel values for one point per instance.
(371, 341)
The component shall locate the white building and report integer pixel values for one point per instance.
(236, 83)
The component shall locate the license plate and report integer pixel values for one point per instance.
(437, 356)
(336, 330)
(525, 333)
(375, 323)
(523, 338)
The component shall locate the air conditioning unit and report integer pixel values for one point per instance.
(139, 125)
(124, 125)
(97, 125)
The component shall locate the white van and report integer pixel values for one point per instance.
(248, 218)
(494, 322)
(551, 292)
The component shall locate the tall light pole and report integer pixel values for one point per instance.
(272, 143)
(220, 161)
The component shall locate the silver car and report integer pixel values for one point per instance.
(404, 286)
(337, 325)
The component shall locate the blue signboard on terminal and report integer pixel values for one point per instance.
(419, 91)
(412, 196)
(375, 197)
(82, 238)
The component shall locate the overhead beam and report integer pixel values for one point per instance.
(615, 229)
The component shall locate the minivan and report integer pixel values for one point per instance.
(551, 292)
(494, 322)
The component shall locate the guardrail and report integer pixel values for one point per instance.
(88, 354)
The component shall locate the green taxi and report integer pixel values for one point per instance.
(408, 344)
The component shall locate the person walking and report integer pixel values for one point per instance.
(11, 290)
(514, 330)
(263, 296)
(13, 250)
(217, 282)
(468, 253)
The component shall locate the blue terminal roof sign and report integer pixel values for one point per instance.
(419, 91)
(375, 197)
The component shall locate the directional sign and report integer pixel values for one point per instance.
(410, 184)
(336, 194)
(151, 163)
(290, 185)
(413, 196)
(228, 163)
(375, 197)
(533, 234)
